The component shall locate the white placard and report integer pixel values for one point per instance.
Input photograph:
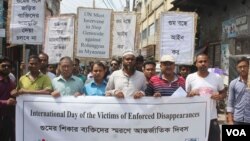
(123, 33)
(177, 36)
(93, 34)
(27, 22)
(110, 119)
(59, 39)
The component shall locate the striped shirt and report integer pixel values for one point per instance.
(239, 101)
(165, 88)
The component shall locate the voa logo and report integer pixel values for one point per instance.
(236, 132)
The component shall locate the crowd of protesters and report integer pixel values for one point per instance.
(129, 76)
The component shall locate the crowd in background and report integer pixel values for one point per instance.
(128, 76)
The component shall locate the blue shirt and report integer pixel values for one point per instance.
(93, 89)
(239, 101)
(67, 87)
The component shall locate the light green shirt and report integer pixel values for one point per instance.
(40, 83)
(67, 87)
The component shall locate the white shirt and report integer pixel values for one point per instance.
(51, 75)
(127, 84)
(206, 86)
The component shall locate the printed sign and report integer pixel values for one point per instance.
(177, 36)
(59, 39)
(123, 33)
(27, 21)
(93, 34)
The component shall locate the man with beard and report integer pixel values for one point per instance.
(7, 108)
(238, 105)
(128, 81)
(205, 83)
(44, 65)
(167, 82)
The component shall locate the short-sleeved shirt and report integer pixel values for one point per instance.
(40, 83)
(93, 89)
(166, 88)
(206, 86)
(67, 87)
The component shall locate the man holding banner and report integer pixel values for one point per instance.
(205, 83)
(34, 82)
(127, 81)
(7, 108)
(166, 83)
(66, 84)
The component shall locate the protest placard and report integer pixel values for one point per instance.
(59, 39)
(27, 22)
(123, 32)
(177, 36)
(93, 33)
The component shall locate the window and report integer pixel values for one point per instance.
(151, 30)
(144, 34)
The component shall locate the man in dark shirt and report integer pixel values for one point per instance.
(7, 109)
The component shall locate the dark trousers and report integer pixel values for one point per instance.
(214, 131)
(7, 129)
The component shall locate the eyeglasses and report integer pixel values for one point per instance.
(5, 65)
(113, 64)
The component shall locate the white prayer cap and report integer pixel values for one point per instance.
(128, 52)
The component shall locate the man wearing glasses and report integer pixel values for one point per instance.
(7, 108)
(115, 65)
(167, 82)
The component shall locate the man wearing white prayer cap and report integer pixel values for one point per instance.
(127, 82)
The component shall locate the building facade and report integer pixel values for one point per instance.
(16, 52)
(149, 25)
(223, 28)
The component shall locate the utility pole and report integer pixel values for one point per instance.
(127, 8)
(93, 3)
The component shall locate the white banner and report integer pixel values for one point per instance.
(27, 21)
(93, 34)
(110, 119)
(123, 33)
(177, 36)
(59, 39)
